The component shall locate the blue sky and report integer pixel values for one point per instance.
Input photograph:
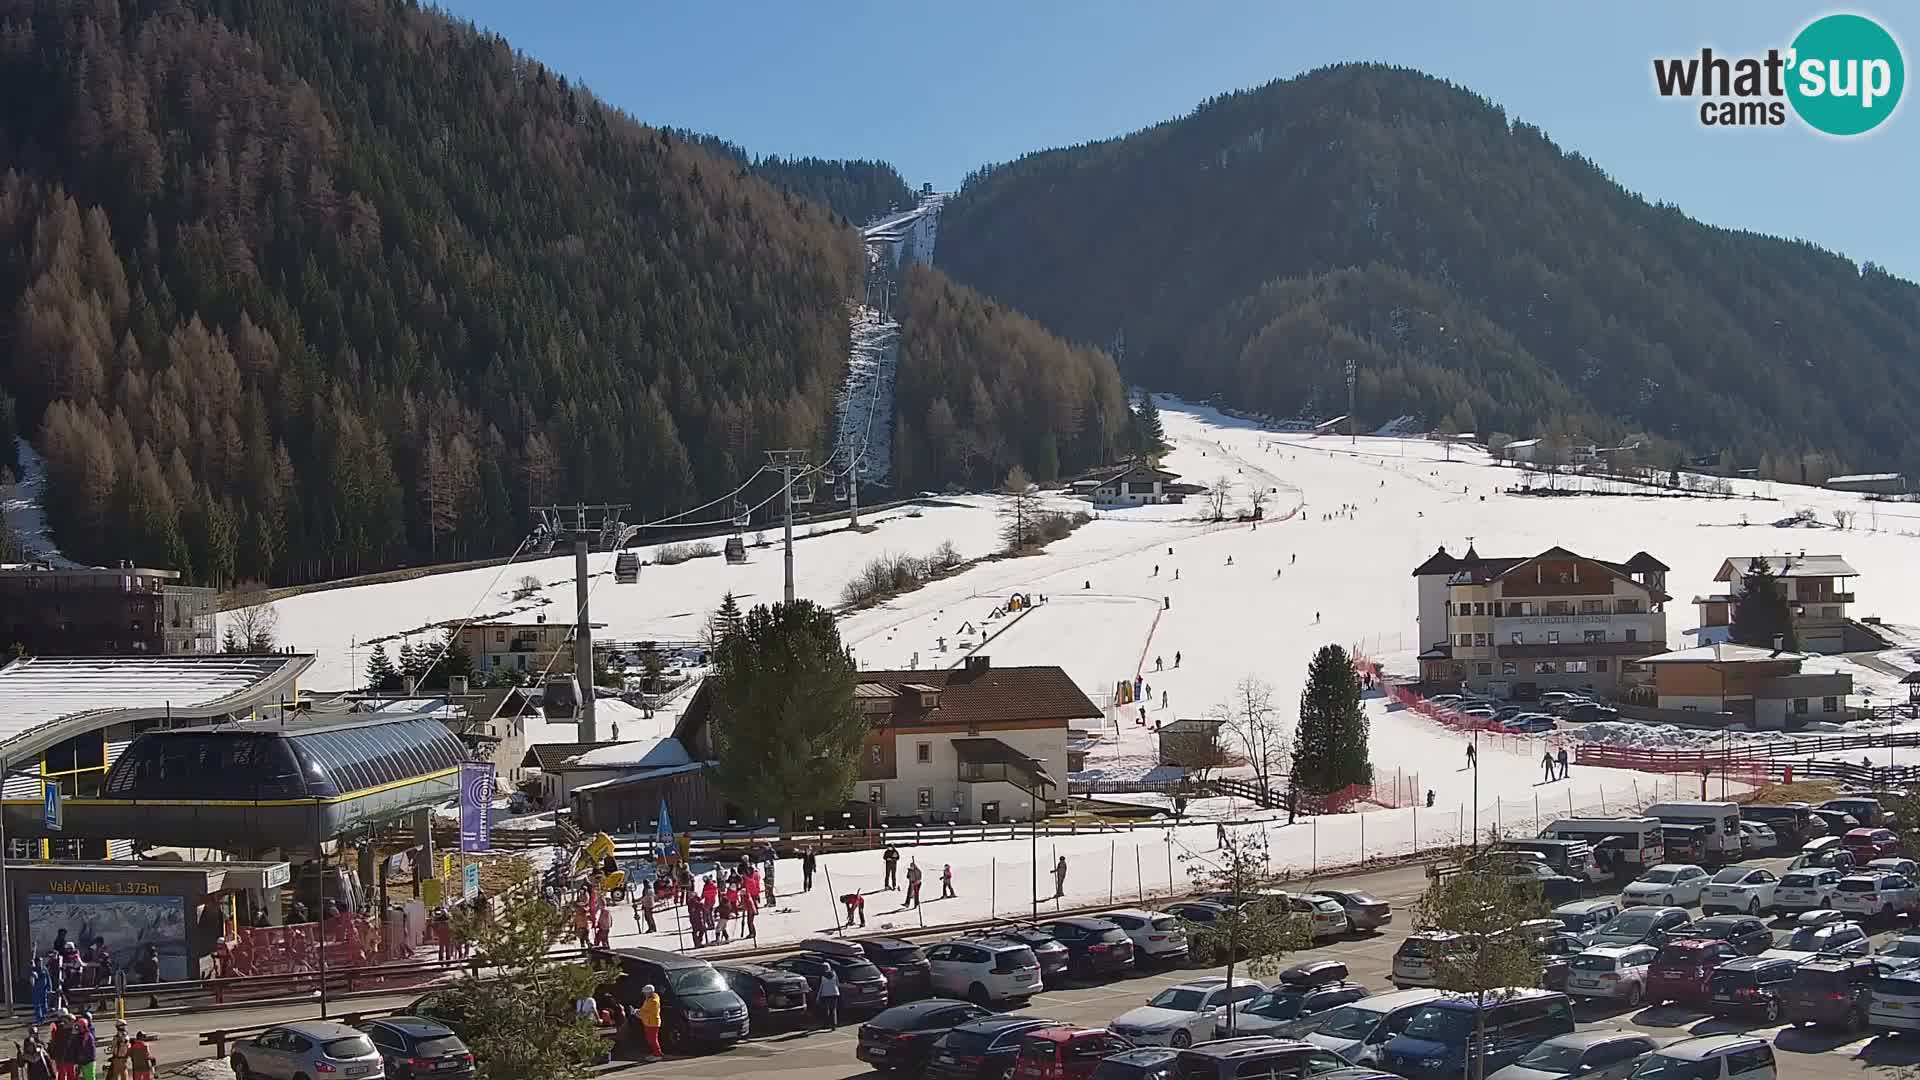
(938, 89)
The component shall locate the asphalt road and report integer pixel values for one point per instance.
(828, 1055)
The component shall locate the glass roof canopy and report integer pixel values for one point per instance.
(254, 762)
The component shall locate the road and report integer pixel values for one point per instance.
(824, 1055)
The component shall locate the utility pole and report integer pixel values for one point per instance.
(1351, 439)
(853, 493)
(788, 462)
(583, 536)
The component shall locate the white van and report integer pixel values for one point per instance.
(1711, 1057)
(1635, 840)
(1720, 819)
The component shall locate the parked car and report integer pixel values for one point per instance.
(1618, 972)
(1895, 864)
(1573, 858)
(1582, 917)
(1435, 1042)
(1750, 988)
(1865, 845)
(1739, 888)
(1902, 948)
(773, 996)
(1756, 837)
(903, 1037)
(1636, 926)
(862, 987)
(1808, 889)
(1525, 873)
(1203, 911)
(1601, 1054)
(1867, 812)
(982, 1049)
(1158, 937)
(1413, 960)
(1279, 1010)
(1684, 969)
(1254, 1055)
(1669, 884)
(697, 1007)
(306, 1048)
(1321, 971)
(1893, 1003)
(984, 970)
(1053, 956)
(1793, 824)
(1358, 1030)
(1710, 1057)
(1831, 991)
(1838, 822)
(1556, 958)
(1327, 917)
(1183, 1014)
(904, 964)
(1064, 1053)
(1094, 946)
(1875, 894)
(1746, 933)
(1845, 938)
(1365, 911)
(414, 1047)
(1142, 1063)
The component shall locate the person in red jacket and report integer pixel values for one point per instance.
(856, 905)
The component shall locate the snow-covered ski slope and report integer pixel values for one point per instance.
(20, 505)
(1295, 583)
(863, 441)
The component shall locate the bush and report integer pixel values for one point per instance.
(891, 574)
(674, 554)
(1054, 526)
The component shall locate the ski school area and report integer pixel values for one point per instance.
(1159, 613)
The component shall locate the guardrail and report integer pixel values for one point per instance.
(1734, 755)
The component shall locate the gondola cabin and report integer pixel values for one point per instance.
(736, 550)
(626, 568)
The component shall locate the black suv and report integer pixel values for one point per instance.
(412, 1047)
(1094, 946)
(1831, 992)
(909, 975)
(772, 995)
(1053, 956)
(862, 987)
(696, 1004)
(1226, 1059)
(981, 1049)
(903, 1037)
(1750, 987)
(1743, 932)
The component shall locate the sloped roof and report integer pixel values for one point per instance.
(547, 756)
(1437, 563)
(990, 694)
(1475, 570)
(1787, 565)
(41, 693)
(1725, 652)
(639, 754)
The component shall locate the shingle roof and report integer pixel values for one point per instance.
(554, 755)
(1786, 565)
(1003, 694)
(1437, 563)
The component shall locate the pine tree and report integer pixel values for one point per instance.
(725, 622)
(1330, 740)
(1020, 508)
(381, 674)
(1149, 435)
(410, 661)
(1763, 613)
(786, 735)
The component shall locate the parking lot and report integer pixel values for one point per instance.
(819, 1055)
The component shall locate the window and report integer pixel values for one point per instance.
(1553, 637)
(1592, 607)
(1508, 667)
(1544, 667)
(1595, 636)
(1479, 609)
(1742, 1062)
(1466, 640)
(499, 636)
(1600, 666)
(876, 794)
(925, 798)
(1625, 606)
(1799, 706)
(1829, 704)
(1633, 635)
(1519, 638)
(1574, 667)
(1480, 640)
(1487, 669)
(923, 752)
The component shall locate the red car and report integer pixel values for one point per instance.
(1868, 844)
(1065, 1053)
(1684, 968)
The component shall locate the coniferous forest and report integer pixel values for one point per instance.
(1471, 270)
(297, 290)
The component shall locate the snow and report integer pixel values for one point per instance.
(864, 438)
(654, 754)
(20, 505)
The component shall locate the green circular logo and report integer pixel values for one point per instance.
(1847, 74)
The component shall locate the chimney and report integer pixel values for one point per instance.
(1779, 644)
(979, 663)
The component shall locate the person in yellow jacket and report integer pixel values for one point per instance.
(650, 1019)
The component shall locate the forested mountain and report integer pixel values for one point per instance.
(857, 190)
(1467, 265)
(982, 388)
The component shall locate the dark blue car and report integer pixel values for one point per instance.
(1434, 1044)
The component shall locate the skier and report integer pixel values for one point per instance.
(1546, 761)
(1229, 560)
(913, 883)
(1564, 766)
(892, 859)
(1294, 558)
(1060, 878)
(1176, 573)
(1163, 695)
(1159, 664)
(806, 869)
(1088, 584)
(1176, 658)
(1166, 603)
(1316, 618)
(856, 905)
(1220, 834)
(1472, 754)
(1156, 569)
(1430, 796)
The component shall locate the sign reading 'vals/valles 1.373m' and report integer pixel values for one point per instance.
(476, 806)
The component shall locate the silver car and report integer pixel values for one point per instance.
(310, 1050)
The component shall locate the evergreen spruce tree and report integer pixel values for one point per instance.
(1763, 613)
(1330, 742)
(652, 665)
(726, 621)
(1148, 432)
(381, 674)
(410, 661)
(785, 733)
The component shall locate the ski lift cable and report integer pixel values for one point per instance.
(469, 617)
(662, 522)
(594, 583)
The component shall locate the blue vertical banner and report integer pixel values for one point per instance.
(476, 806)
